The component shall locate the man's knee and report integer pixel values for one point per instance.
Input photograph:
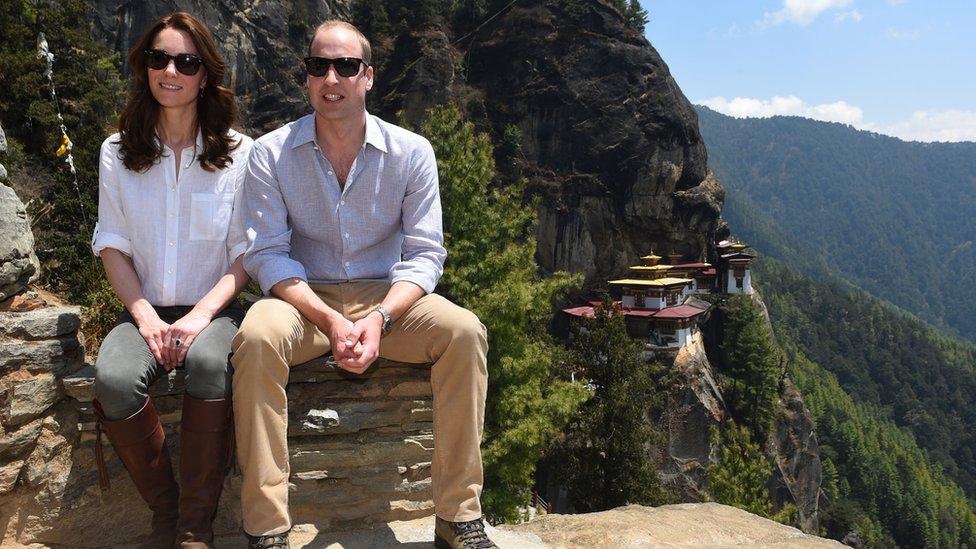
(263, 327)
(467, 327)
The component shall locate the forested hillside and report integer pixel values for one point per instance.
(889, 372)
(896, 218)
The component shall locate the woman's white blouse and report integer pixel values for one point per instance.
(181, 233)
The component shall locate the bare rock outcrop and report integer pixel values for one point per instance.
(18, 262)
(694, 407)
(685, 525)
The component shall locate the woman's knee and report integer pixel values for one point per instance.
(122, 372)
(208, 372)
(120, 392)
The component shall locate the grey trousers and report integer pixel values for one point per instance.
(125, 367)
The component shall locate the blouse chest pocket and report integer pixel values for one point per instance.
(210, 215)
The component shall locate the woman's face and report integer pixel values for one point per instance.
(170, 87)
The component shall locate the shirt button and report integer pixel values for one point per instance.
(342, 202)
(347, 235)
(172, 243)
(347, 263)
(331, 173)
(170, 271)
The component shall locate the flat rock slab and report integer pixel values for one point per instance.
(46, 323)
(685, 525)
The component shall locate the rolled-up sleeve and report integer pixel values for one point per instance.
(111, 230)
(265, 218)
(423, 254)
(236, 235)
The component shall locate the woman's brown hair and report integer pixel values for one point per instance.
(216, 105)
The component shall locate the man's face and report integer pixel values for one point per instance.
(334, 97)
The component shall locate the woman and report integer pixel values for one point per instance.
(171, 243)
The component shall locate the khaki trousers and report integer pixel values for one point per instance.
(275, 336)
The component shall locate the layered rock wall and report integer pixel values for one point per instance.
(360, 453)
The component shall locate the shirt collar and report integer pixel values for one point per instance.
(305, 133)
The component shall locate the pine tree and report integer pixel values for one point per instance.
(636, 16)
(610, 454)
(751, 361)
(491, 271)
(739, 479)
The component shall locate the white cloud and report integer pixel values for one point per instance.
(801, 12)
(853, 15)
(746, 107)
(934, 125)
(928, 125)
(901, 34)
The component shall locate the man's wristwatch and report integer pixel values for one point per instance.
(387, 319)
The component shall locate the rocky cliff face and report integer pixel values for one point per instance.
(262, 42)
(606, 134)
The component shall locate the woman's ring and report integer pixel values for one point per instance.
(178, 343)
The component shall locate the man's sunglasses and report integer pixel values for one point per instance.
(344, 66)
(186, 63)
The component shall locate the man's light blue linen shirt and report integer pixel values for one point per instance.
(384, 225)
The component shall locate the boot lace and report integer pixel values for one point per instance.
(276, 541)
(472, 534)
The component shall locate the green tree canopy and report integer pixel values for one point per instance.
(491, 271)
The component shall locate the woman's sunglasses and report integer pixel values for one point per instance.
(344, 66)
(186, 63)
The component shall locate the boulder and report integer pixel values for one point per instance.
(18, 263)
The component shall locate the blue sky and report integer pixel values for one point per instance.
(901, 67)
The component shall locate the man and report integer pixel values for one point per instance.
(344, 227)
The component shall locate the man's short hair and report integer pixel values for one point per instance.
(363, 41)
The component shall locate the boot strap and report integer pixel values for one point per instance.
(100, 457)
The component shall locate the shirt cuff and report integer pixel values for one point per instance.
(424, 280)
(279, 269)
(237, 251)
(104, 240)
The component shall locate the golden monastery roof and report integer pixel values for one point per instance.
(656, 283)
(652, 267)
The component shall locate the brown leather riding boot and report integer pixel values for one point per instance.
(140, 443)
(205, 451)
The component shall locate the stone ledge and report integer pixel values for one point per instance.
(360, 448)
(80, 385)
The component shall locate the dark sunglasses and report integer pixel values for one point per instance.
(344, 66)
(186, 63)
